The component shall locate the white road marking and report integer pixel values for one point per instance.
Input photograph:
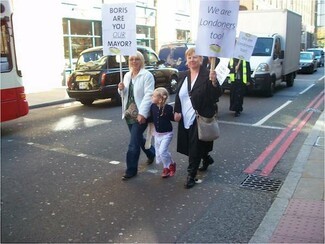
(302, 92)
(272, 113)
(71, 153)
(251, 125)
(73, 122)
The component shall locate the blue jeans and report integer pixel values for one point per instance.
(137, 141)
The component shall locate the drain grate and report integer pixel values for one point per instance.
(261, 183)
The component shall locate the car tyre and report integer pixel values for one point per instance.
(87, 101)
(290, 79)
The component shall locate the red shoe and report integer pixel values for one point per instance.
(172, 168)
(165, 173)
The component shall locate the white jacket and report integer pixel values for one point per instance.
(143, 86)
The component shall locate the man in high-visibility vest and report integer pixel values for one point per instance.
(239, 76)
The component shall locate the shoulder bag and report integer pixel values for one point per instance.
(208, 128)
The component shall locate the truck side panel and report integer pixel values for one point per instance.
(292, 43)
(285, 23)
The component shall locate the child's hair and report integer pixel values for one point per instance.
(163, 93)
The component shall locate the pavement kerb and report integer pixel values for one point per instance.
(268, 225)
(51, 103)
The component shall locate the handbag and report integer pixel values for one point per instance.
(132, 111)
(208, 128)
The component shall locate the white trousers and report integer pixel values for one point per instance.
(162, 141)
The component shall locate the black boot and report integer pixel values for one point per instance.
(206, 162)
(190, 182)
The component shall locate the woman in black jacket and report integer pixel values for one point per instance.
(198, 90)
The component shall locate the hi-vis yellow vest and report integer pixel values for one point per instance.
(232, 75)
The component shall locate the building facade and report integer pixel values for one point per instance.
(51, 34)
(307, 10)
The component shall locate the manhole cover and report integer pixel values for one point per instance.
(261, 183)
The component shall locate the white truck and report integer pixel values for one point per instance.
(275, 58)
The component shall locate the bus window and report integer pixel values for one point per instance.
(5, 61)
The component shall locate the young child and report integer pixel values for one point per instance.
(161, 114)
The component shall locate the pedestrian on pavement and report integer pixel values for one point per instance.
(136, 90)
(198, 90)
(239, 76)
(207, 159)
(161, 114)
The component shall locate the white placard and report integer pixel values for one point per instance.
(245, 46)
(222, 70)
(217, 28)
(119, 28)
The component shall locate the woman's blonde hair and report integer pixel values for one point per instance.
(164, 95)
(137, 55)
(190, 52)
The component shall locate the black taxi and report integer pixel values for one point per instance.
(96, 76)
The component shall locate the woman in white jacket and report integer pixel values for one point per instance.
(136, 91)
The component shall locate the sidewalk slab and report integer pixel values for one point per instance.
(297, 214)
(303, 222)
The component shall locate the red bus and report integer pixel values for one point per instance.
(13, 97)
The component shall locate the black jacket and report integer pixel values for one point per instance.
(162, 122)
(203, 95)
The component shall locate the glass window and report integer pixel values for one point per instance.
(277, 49)
(84, 34)
(65, 26)
(149, 57)
(263, 47)
(5, 61)
(98, 41)
(79, 44)
(182, 35)
(80, 27)
(91, 56)
(98, 28)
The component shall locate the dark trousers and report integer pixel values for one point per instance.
(188, 143)
(237, 93)
(194, 149)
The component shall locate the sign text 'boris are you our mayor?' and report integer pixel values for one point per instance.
(119, 28)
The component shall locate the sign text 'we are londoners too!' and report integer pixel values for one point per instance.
(217, 28)
(119, 28)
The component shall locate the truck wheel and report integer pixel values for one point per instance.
(290, 79)
(87, 101)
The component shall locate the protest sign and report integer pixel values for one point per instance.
(119, 28)
(244, 46)
(217, 28)
(222, 70)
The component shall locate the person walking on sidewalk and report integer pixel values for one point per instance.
(136, 90)
(198, 90)
(161, 114)
(207, 159)
(240, 74)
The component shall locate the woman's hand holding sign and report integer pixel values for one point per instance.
(213, 74)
